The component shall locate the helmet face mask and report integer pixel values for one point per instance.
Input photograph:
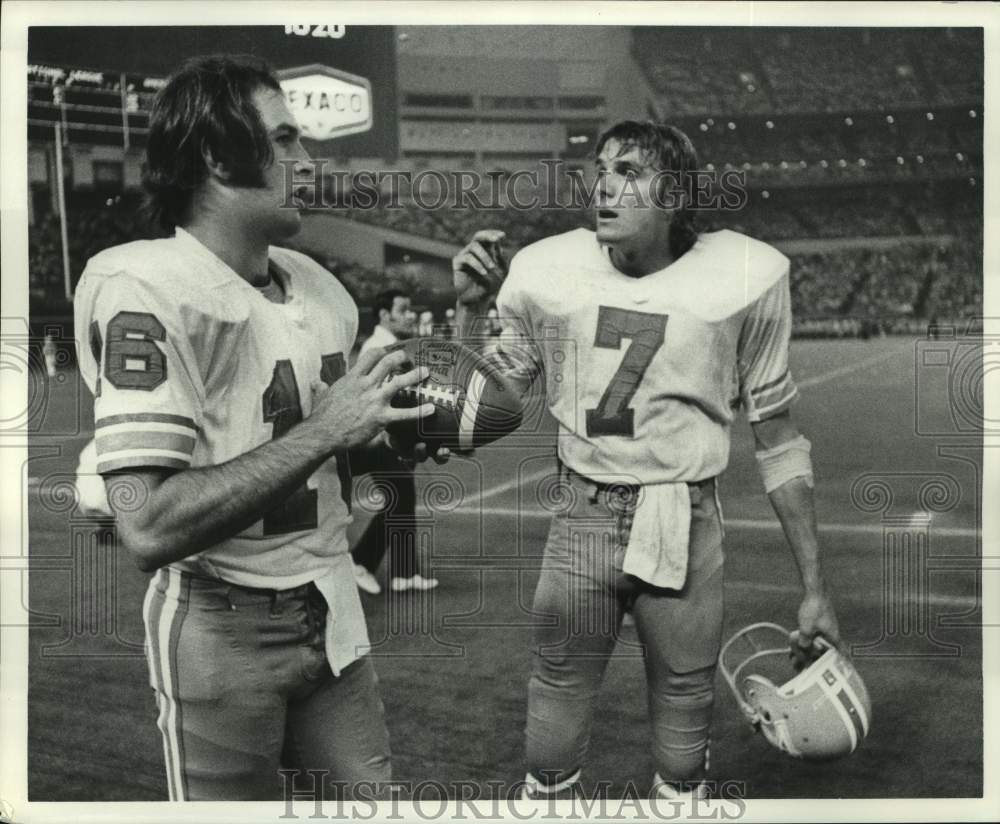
(822, 712)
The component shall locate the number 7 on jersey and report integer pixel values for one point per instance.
(646, 331)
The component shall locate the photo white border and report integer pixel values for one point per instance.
(17, 15)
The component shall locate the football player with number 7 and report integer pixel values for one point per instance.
(647, 337)
(224, 412)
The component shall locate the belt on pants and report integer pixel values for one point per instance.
(625, 494)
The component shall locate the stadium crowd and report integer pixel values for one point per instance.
(911, 278)
(743, 71)
(841, 134)
(773, 215)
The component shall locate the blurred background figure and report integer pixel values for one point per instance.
(494, 321)
(396, 321)
(449, 323)
(425, 328)
(49, 353)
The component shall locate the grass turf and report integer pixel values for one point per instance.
(453, 665)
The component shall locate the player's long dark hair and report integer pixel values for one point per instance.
(671, 151)
(206, 105)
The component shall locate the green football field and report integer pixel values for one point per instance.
(898, 503)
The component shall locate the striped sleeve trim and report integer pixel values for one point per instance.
(144, 439)
(760, 412)
(150, 457)
(773, 393)
(770, 386)
(140, 439)
(146, 417)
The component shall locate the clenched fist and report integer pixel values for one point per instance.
(479, 269)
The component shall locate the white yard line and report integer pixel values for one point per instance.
(850, 529)
(966, 601)
(736, 523)
(864, 363)
(815, 380)
(513, 483)
(730, 523)
(506, 486)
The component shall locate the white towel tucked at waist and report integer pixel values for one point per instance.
(661, 528)
(346, 637)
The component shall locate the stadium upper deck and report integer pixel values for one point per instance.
(785, 70)
(858, 134)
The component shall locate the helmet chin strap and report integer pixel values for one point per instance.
(777, 733)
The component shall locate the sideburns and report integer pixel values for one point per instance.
(668, 190)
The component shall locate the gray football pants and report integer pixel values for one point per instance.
(243, 688)
(583, 587)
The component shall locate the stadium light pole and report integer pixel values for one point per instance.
(124, 99)
(61, 196)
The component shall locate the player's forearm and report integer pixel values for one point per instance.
(196, 508)
(470, 323)
(793, 503)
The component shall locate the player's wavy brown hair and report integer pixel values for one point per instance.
(670, 150)
(206, 106)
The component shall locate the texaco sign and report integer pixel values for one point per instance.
(327, 102)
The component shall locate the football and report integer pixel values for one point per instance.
(474, 404)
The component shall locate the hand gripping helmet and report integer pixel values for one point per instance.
(822, 712)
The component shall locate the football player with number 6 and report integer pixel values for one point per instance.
(669, 332)
(224, 412)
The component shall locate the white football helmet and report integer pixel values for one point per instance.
(822, 712)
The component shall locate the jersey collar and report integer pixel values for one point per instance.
(284, 275)
(216, 272)
(219, 272)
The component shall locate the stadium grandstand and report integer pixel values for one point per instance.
(861, 151)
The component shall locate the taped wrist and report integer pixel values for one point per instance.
(784, 462)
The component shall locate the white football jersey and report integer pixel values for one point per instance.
(644, 374)
(191, 366)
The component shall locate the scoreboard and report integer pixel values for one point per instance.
(340, 81)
